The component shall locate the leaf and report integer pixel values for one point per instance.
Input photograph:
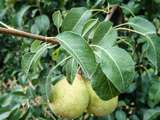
(55, 54)
(4, 115)
(96, 3)
(117, 65)
(151, 114)
(42, 22)
(75, 19)
(29, 58)
(6, 111)
(153, 50)
(120, 115)
(146, 77)
(35, 46)
(57, 19)
(154, 93)
(35, 29)
(142, 25)
(71, 69)
(20, 15)
(115, 62)
(89, 25)
(79, 49)
(16, 114)
(102, 85)
(105, 35)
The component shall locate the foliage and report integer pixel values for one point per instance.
(120, 56)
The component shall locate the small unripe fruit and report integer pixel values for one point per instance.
(100, 107)
(70, 101)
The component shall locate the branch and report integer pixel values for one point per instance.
(108, 17)
(52, 40)
(19, 33)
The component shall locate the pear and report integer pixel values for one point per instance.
(100, 107)
(69, 100)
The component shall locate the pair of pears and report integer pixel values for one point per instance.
(72, 100)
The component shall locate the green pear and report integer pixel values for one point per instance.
(69, 100)
(100, 107)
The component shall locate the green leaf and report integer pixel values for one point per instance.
(4, 115)
(89, 25)
(95, 3)
(35, 29)
(142, 25)
(120, 115)
(35, 46)
(42, 22)
(77, 47)
(29, 58)
(75, 19)
(146, 77)
(55, 54)
(71, 69)
(154, 93)
(57, 19)
(102, 85)
(151, 114)
(117, 65)
(16, 114)
(153, 50)
(20, 15)
(105, 35)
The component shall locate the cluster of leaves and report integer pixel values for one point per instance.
(121, 56)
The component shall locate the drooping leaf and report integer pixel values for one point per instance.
(117, 65)
(105, 35)
(29, 58)
(20, 15)
(57, 19)
(75, 19)
(142, 25)
(153, 50)
(77, 47)
(71, 69)
(102, 85)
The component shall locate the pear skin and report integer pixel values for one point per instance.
(100, 107)
(70, 100)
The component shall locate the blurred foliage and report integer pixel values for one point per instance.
(24, 98)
